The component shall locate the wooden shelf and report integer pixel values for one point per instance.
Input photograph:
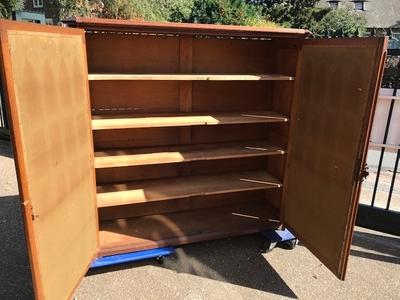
(121, 121)
(153, 231)
(182, 187)
(178, 154)
(211, 77)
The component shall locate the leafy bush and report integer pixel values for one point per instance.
(234, 12)
(178, 10)
(150, 10)
(237, 12)
(125, 9)
(61, 9)
(291, 13)
(8, 6)
(193, 11)
(3, 11)
(341, 22)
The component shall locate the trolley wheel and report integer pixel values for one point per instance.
(267, 246)
(290, 244)
(160, 259)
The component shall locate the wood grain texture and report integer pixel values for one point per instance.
(182, 187)
(233, 56)
(185, 93)
(153, 231)
(102, 122)
(181, 204)
(134, 96)
(329, 129)
(232, 95)
(144, 172)
(229, 133)
(132, 54)
(139, 137)
(191, 77)
(52, 137)
(186, 153)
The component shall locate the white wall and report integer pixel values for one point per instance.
(380, 119)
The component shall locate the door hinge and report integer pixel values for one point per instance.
(361, 171)
(362, 174)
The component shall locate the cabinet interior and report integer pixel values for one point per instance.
(190, 135)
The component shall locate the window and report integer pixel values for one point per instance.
(333, 4)
(359, 5)
(37, 3)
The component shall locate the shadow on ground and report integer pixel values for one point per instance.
(15, 276)
(385, 248)
(5, 148)
(234, 260)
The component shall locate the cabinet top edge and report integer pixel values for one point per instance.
(98, 24)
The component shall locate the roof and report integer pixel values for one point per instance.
(183, 28)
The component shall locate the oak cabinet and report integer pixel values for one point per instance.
(134, 135)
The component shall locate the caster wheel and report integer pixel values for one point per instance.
(267, 246)
(290, 244)
(160, 260)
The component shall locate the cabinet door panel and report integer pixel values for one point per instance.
(336, 91)
(45, 78)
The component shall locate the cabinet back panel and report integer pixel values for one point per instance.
(124, 174)
(230, 96)
(188, 55)
(232, 56)
(143, 209)
(228, 133)
(281, 101)
(285, 63)
(127, 53)
(287, 51)
(134, 96)
(142, 137)
(228, 165)
(278, 134)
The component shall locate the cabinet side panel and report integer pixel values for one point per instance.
(48, 98)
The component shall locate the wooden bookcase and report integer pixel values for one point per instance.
(189, 141)
(155, 134)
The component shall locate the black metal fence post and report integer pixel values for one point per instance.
(3, 111)
(389, 119)
(396, 166)
(387, 218)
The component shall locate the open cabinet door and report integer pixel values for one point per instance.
(336, 89)
(44, 74)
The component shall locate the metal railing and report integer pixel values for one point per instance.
(380, 194)
(385, 146)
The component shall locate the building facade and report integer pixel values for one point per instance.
(40, 7)
(383, 16)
